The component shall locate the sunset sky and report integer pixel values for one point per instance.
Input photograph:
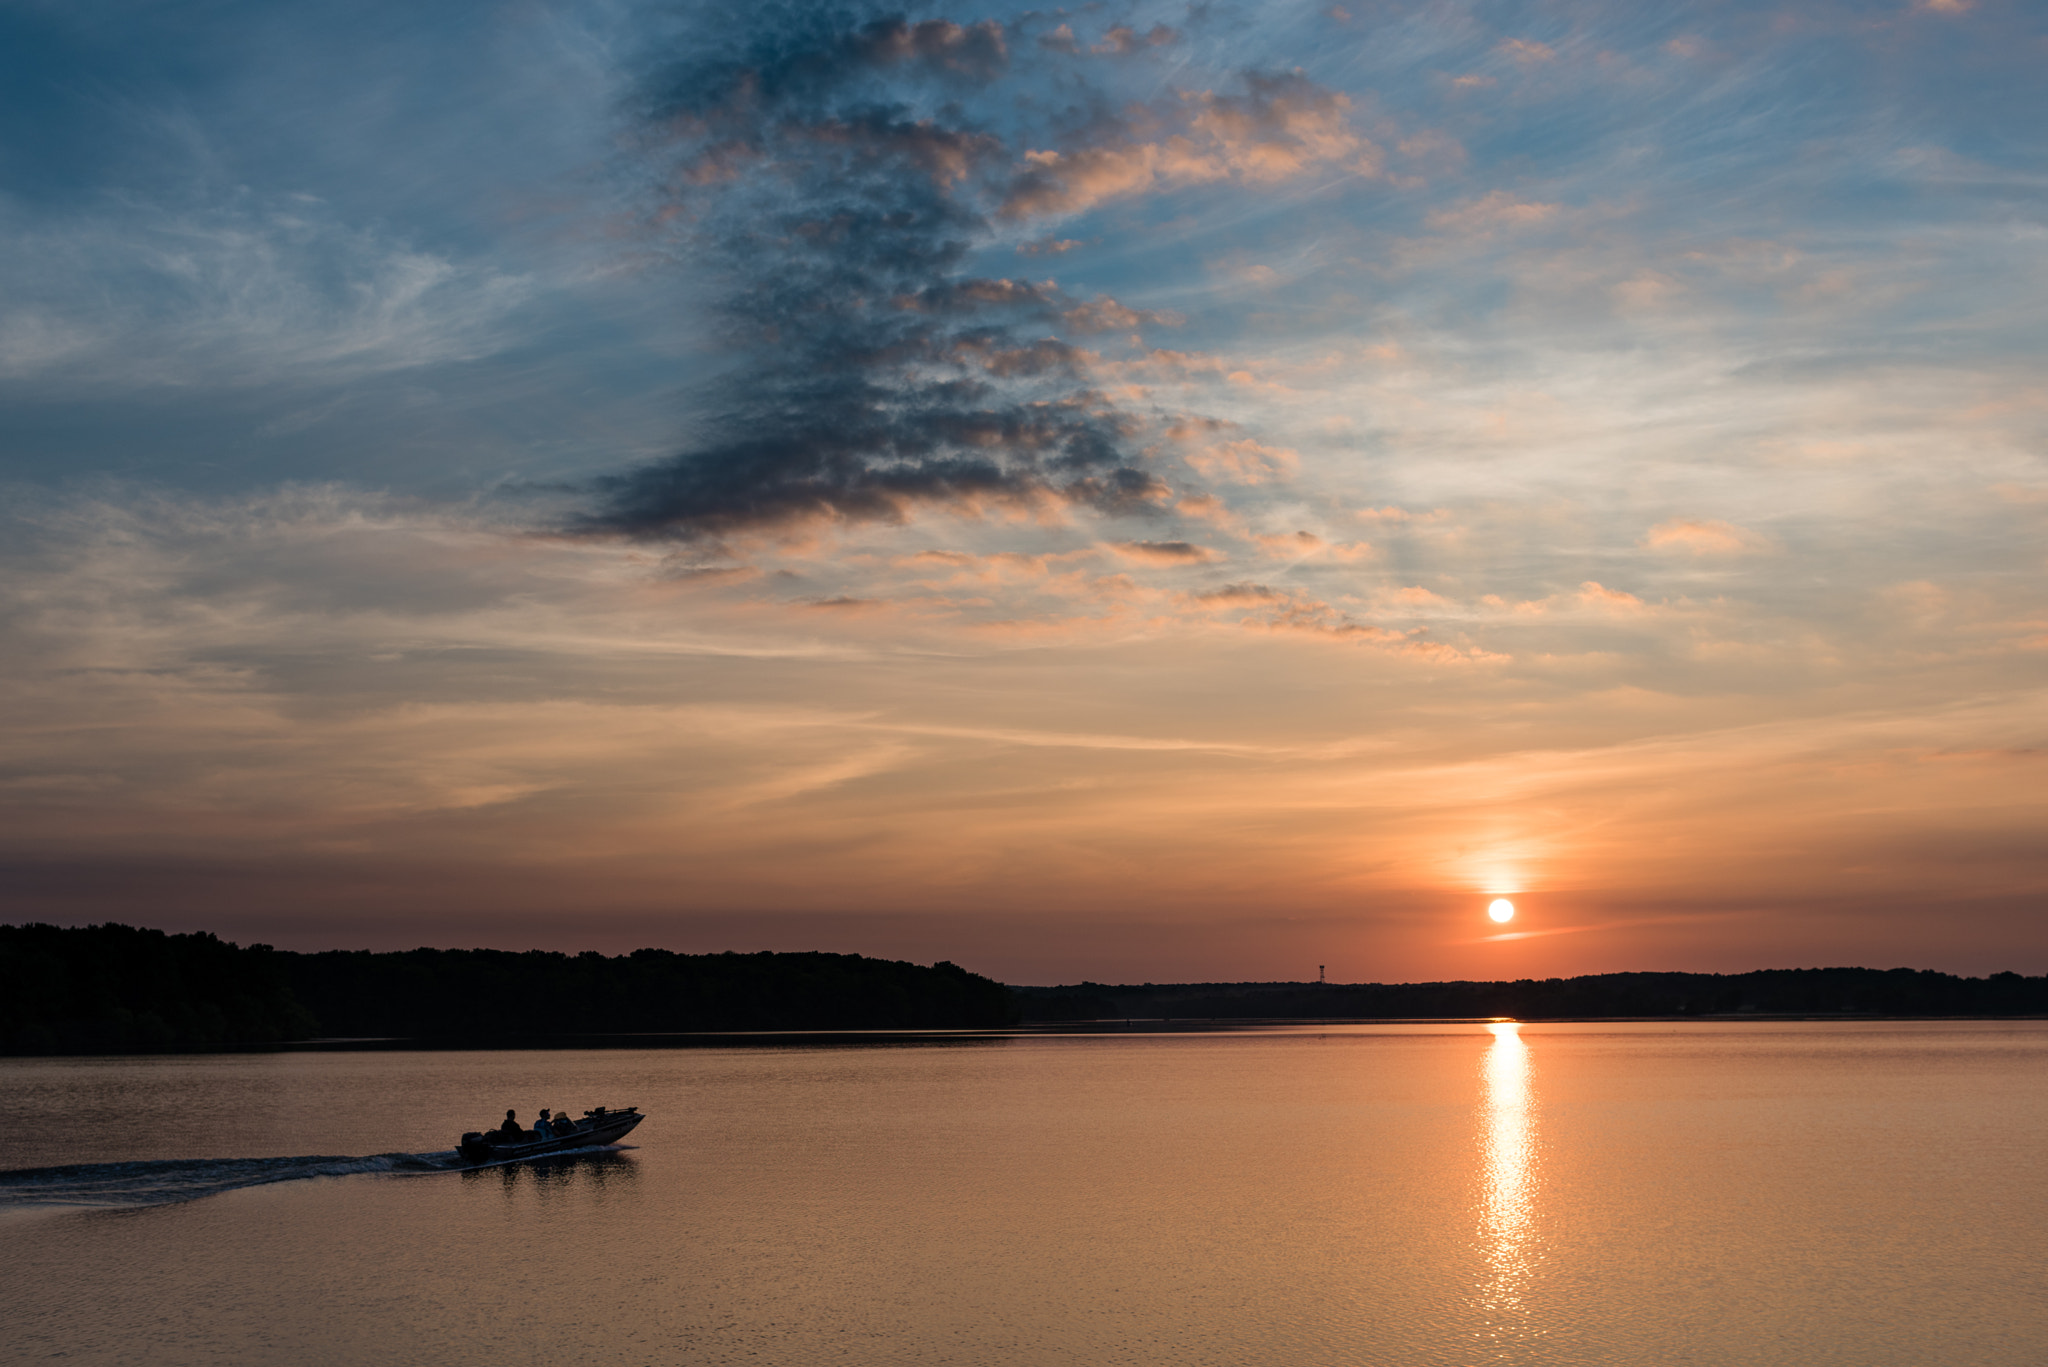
(1140, 492)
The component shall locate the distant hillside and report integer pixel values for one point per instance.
(1778, 991)
(118, 989)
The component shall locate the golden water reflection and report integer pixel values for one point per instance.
(1508, 1186)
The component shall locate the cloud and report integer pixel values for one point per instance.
(1107, 315)
(1647, 291)
(1049, 246)
(1122, 40)
(241, 290)
(842, 175)
(1245, 462)
(1597, 595)
(1306, 545)
(976, 51)
(1305, 614)
(1527, 52)
(1239, 595)
(1000, 567)
(1916, 603)
(1273, 609)
(1166, 552)
(1494, 212)
(1696, 537)
(1281, 126)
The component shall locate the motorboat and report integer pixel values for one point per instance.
(601, 1126)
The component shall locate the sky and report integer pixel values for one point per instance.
(1144, 492)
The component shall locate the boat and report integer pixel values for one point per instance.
(601, 1126)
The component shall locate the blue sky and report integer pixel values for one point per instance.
(1243, 479)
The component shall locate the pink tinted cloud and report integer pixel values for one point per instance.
(1527, 52)
(1598, 595)
(1695, 536)
(1304, 545)
(1495, 211)
(1281, 127)
(1245, 461)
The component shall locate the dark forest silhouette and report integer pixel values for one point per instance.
(118, 989)
(1774, 991)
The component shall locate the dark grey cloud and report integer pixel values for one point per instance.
(1243, 593)
(838, 170)
(1167, 552)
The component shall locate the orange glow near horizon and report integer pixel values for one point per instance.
(907, 788)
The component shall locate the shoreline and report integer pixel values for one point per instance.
(907, 1038)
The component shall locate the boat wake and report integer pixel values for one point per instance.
(169, 1181)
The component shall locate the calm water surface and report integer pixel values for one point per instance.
(1660, 1194)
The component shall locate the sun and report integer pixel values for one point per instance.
(1502, 910)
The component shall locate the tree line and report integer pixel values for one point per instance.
(119, 989)
(1775, 991)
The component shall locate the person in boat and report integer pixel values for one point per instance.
(564, 1125)
(512, 1129)
(543, 1128)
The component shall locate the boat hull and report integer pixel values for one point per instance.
(593, 1130)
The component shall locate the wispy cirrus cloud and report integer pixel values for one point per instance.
(239, 291)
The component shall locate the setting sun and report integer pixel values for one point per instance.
(1501, 910)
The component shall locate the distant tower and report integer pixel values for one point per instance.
(1319, 972)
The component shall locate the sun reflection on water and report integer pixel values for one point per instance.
(1507, 1187)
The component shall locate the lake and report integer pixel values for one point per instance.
(1745, 1192)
